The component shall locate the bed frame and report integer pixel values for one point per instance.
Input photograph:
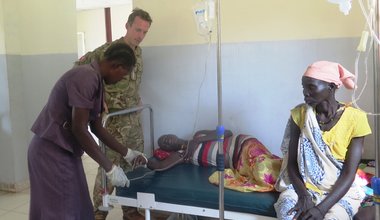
(185, 189)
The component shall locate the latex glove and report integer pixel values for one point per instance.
(134, 154)
(117, 176)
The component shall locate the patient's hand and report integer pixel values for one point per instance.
(134, 158)
(140, 160)
(191, 147)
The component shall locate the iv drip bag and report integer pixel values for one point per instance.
(204, 15)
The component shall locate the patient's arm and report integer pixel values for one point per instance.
(209, 135)
(171, 142)
(181, 150)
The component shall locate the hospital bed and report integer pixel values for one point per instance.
(185, 189)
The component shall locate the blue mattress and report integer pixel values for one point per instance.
(187, 184)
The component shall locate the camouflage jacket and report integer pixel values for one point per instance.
(125, 93)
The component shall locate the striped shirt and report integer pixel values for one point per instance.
(206, 152)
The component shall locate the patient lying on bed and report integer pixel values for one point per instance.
(250, 166)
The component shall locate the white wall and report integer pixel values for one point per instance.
(92, 23)
(37, 40)
(2, 44)
(252, 20)
(261, 45)
(266, 47)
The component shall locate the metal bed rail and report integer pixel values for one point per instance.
(131, 110)
(105, 205)
(147, 201)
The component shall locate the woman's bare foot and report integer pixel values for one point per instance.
(171, 142)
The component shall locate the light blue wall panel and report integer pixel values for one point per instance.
(261, 83)
(26, 83)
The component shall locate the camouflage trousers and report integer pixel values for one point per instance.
(127, 130)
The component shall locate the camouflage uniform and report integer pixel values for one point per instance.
(127, 128)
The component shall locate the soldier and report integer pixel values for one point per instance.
(124, 94)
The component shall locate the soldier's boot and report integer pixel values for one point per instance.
(131, 213)
(100, 215)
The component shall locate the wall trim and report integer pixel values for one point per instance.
(15, 187)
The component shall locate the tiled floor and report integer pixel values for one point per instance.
(15, 206)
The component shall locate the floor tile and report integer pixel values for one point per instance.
(2, 212)
(14, 216)
(23, 209)
(11, 201)
(115, 214)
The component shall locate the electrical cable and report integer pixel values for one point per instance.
(201, 85)
(196, 114)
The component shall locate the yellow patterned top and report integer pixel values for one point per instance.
(353, 123)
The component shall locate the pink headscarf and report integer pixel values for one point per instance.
(332, 73)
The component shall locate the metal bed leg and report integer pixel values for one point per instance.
(105, 196)
(147, 214)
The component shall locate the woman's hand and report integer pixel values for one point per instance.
(303, 204)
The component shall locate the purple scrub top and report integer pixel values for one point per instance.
(80, 87)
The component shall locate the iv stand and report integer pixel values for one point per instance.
(220, 128)
(376, 101)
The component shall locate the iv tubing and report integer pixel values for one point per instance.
(373, 34)
(369, 22)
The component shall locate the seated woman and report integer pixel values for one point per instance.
(252, 167)
(322, 149)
